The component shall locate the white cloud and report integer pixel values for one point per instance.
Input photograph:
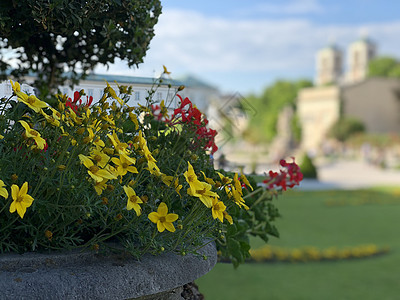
(190, 42)
(295, 7)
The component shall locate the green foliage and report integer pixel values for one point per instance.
(50, 37)
(262, 127)
(257, 222)
(307, 167)
(345, 127)
(296, 128)
(384, 67)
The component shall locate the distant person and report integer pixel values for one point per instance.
(222, 162)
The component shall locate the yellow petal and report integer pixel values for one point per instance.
(162, 209)
(171, 218)
(14, 191)
(21, 209)
(4, 193)
(137, 209)
(86, 160)
(129, 191)
(12, 207)
(169, 226)
(154, 217)
(160, 226)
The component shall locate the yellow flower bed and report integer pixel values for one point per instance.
(308, 254)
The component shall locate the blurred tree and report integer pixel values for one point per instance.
(307, 167)
(50, 38)
(345, 127)
(384, 66)
(262, 127)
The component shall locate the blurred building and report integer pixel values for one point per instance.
(329, 65)
(374, 101)
(199, 92)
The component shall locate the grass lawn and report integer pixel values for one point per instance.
(322, 219)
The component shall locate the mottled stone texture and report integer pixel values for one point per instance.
(77, 275)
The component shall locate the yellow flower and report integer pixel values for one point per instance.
(163, 219)
(204, 194)
(124, 165)
(237, 196)
(165, 70)
(71, 116)
(21, 199)
(16, 87)
(3, 191)
(92, 135)
(54, 119)
(31, 101)
(100, 186)
(133, 200)
(224, 179)
(218, 208)
(120, 147)
(112, 93)
(246, 182)
(151, 162)
(208, 180)
(94, 171)
(227, 217)
(177, 187)
(238, 185)
(32, 133)
(99, 157)
(191, 178)
(166, 179)
(134, 119)
(109, 119)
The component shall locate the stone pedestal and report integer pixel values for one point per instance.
(77, 275)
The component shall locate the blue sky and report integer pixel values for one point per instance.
(243, 46)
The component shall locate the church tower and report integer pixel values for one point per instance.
(359, 55)
(329, 65)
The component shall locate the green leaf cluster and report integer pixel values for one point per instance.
(257, 221)
(346, 127)
(52, 37)
(384, 66)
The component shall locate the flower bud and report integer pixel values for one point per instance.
(61, 167)
(48, 234)
(14, 177)
(180, 88)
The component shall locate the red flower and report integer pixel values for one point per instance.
(289, 177)
(77, 97)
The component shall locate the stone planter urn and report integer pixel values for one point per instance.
(86, 275)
